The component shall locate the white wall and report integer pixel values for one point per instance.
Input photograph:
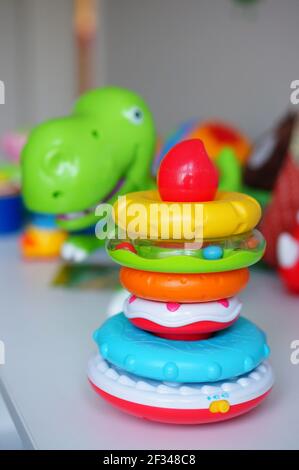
(205, 57)
(189, 58)
(45, 57)
(37, 60)
(7, 63)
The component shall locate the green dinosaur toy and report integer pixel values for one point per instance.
(102, 150)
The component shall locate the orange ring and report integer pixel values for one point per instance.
(166, 287)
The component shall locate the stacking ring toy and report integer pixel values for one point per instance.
(179, 352)
(171, 402)
(182, 321)
(229, 353)
(228, 214)
(184, 287)
(181, 257)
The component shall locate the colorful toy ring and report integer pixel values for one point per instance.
(174, 287)
(210, 360)
(182, 321)
(179, 403)
(228, 214)
(179, 257)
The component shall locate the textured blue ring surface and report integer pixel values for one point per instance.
(229, 353)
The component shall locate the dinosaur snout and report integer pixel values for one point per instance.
(59, 163)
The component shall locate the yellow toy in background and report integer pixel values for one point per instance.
(42, 239)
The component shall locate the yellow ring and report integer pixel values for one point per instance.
(228, 214)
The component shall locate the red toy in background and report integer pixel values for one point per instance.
(187, 174)
(273, 170)
(288, 258)
(281, 213)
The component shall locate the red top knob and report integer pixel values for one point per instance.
(187, 174)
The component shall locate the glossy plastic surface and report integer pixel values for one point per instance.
(102, 149)
(175, 287)
(229, 353)
(228, 214)
(174, 314)
(179, 403)
(178, 416)
(195, 331)
(182, 321)
(187, 174)
(181, 257)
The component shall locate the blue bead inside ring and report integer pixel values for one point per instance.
(212, 252)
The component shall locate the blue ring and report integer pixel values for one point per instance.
(229, 353)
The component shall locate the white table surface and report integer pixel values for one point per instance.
(47, 334)
(9, 436)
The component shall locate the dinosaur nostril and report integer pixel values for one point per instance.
(95, 133)
(56, 194)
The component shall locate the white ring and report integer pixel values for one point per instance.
(125, 386)
(173, 314)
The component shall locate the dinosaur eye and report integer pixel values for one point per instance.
(134, 114)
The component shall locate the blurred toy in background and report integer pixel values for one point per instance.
(272, 176)
(85, 29)
(11, 207)
(268, 155)
(288, 258)
(214, 134)
(230, 170)
(228, 147)
(246, 2)
(42, 238)
(12, 143)
(71, 164)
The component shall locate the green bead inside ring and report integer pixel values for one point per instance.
(237, 252)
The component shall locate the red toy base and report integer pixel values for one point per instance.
(178, 416)
(290, 278)
(194, 331)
